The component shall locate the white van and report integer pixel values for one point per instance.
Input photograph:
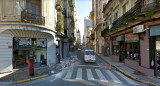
(89, 56)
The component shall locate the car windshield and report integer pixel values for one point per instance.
(90, 53)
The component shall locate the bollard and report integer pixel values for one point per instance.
(110, 66)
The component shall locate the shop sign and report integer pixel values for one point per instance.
(41, 43)
(130, 37)
(120, 38)
(22, 43)
(114, 41)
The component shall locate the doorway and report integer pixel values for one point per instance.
(157, 58)
(122, 51)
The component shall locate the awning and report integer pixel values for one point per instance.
(120, 38)
(115, 43)
(155, 30)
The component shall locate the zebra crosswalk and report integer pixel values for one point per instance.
(91, 74)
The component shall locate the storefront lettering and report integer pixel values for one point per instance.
(22, 42)
(131, 37)
(41, 43)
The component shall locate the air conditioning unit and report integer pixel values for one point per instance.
(138, 29)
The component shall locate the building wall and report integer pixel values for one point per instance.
(6, 55)
(51, 51)
(144, 49)
(48, 11)
(9, 10)
(87, 23)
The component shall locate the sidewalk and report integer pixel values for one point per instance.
(7, 79)
(130, 71)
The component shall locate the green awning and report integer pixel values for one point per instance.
(115, 43)
(120, 38)
(155, 30)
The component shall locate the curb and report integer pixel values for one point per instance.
(31, 79)
(128, 75)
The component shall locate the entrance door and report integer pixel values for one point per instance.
(122, 51)
(157, 59)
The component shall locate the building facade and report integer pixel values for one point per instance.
(65, 27)
(27, 29)
(131, 31)
(97, 17)
(87, 26)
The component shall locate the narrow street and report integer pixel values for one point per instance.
(85, 74)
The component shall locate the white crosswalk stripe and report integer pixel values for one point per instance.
(89, 74)
(114, 78)
(126, 78)
(79, 74)
(68, 75)
(101, 76)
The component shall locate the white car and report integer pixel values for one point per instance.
(79, 49)
(89, 56)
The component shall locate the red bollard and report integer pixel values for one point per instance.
(31, 66)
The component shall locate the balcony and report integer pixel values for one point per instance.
(129, 15)
(32, 18)
(59, 5)
(60, 28)
(140, 12)
(91, 15)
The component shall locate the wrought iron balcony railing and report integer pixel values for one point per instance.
(127, 16)
(32, 18)
(136, 10)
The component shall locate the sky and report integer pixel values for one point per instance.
(83, 8)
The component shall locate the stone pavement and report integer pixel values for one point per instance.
(131, 71)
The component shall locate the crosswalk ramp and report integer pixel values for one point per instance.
(91, 74)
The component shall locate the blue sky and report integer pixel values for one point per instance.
(83, 8)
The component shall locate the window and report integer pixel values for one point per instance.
(90, 53)
(116, 50)
(133, 51)
(33, 7)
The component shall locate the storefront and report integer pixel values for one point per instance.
(155, 54)
(122, 49)
(114, 49)
(132, 46)
(25, 48)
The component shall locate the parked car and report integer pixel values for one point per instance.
(89, 56)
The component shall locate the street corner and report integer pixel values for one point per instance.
(22, 75)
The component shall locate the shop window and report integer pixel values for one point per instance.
(133, 51)
(116, 50)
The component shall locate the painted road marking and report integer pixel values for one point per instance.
(126, 78)
(114, 78)
(68, 75)
(89, 74)
(79, 74)
(101, 76)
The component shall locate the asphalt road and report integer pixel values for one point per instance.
(86, 74)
